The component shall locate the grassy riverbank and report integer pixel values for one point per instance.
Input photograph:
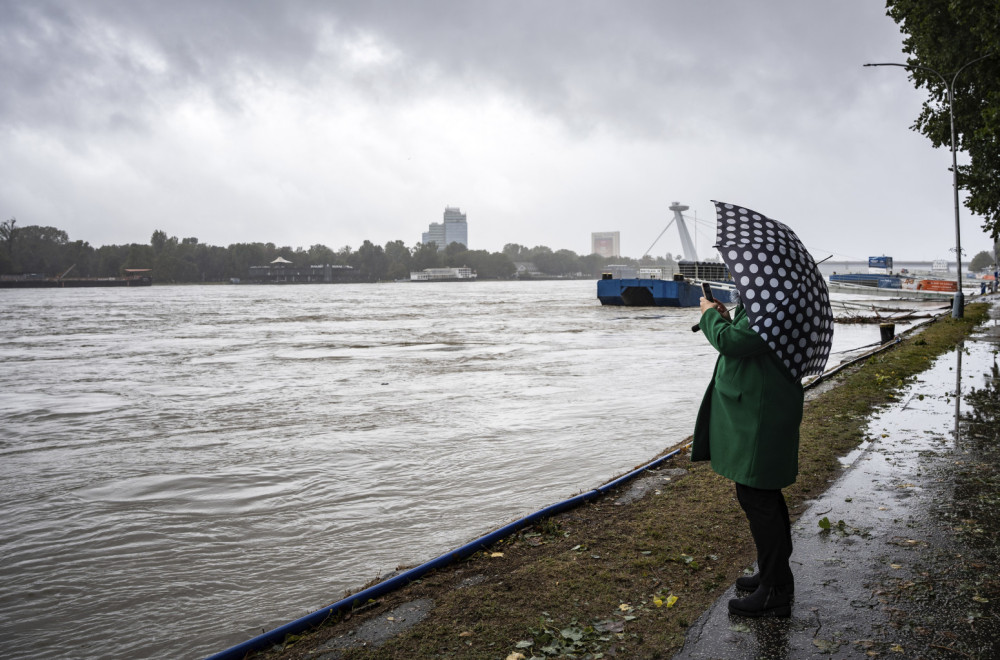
(624, 577)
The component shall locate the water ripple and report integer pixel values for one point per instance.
(181, 467)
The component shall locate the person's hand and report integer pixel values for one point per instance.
(707, 304)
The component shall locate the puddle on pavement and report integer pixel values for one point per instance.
(941, 597)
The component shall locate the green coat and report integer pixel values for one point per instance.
(748, 422)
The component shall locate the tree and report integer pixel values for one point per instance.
(371, 262)
(515, 252)
(945, 35)
(320, 255)
(398, 256)
(7, 233)
(41, 250)
(982, 260)
(158, 241)
(425, 255)
(453, 254)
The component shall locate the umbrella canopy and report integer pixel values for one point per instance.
(785, 296)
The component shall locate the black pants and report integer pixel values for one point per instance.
(767, 514)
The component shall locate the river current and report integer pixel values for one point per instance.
(182, 467)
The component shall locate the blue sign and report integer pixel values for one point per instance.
(880, 262)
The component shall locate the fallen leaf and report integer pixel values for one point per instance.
(497, 554)
(657, 601)
(611, 626)
(624, 607)
(980, 599)
(390, 618)
(896, 648)
(515, 656)
(826, 645)
(671, 599)
(895, 566)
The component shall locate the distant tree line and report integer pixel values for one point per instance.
(49, 251)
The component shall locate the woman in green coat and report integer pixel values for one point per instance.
(748, 426)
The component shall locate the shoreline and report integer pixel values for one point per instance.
(699, 553)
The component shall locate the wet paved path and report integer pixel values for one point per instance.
(878, 511)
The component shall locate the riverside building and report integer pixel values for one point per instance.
(606, 244)
(454, 229)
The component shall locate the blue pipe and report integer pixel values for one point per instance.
(278, 635)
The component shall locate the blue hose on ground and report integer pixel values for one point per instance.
(278, 635)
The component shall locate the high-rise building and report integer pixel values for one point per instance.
(605, 243)
(454, 229)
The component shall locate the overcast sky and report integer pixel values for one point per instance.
(332, 122)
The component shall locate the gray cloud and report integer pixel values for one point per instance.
(365, 118)
(648, 68)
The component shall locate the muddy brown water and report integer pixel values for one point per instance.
(184, 467)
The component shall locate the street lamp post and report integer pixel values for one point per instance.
(958, 306)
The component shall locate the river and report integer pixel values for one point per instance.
(182, 467)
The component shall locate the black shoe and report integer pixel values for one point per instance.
(766, 601)
(748, 582)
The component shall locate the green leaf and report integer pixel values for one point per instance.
(824, 523)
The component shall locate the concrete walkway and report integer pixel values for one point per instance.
(879, 524)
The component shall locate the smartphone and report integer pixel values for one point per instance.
(706, 291)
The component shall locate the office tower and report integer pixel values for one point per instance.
(454, 229)
(605, 243)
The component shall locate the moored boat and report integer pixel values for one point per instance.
(132, 277)
(654, 292)
(881, 281)
(655, 287)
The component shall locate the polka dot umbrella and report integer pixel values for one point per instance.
(785, 296)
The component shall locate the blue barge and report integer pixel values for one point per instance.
(620, 286)
(642, 292)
